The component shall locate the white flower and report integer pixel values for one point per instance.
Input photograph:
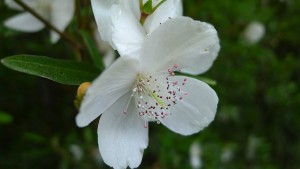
(142, 88)
(254, 32)
(252, 147)
(121, 27)
(195, 156)
(227, 154)
(57, 12)
(76, 152)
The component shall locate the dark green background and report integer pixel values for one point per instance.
(258, 88)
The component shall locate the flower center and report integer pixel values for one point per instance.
(155, 94)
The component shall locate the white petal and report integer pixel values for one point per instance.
(254, 32)
(133, 6)
(102, 14)
(61, 15)
(181, 41)
(54, 37)
(109, 57)
(204, 62)
(195, 111)
(13, 5)
(169, 9)
(107, 89)
(127, 32)
(24, 22)
(122, 137)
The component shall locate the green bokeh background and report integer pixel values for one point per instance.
(258, 87)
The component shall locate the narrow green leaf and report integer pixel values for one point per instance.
(207, 80)
(204, 79)
(5, 118)
(93, 50)
(34, 137)
(61, 71)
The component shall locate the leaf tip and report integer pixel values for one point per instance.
(3, 61)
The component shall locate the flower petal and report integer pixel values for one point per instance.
(112, 84)
(169, 9)
(109, 57)
(181, 41)
(127, 32)
(204, 62)
(195, 111)
(24, 22)
(13, 5)
(61, 15)
(132, 6)
(102, 14)
(122, 137)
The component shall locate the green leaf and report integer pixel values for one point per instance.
(204, 79)
(93, 50)
(147, 8)
(34, 137)
(207, 80)
(61, 71)
(5, 118)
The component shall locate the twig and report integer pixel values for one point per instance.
(78, 14)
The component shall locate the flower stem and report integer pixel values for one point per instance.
(47, 24)
(78, 15)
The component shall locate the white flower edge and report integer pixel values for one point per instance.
(24, 22)
(104, 47)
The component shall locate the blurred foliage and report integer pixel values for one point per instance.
(258, 87)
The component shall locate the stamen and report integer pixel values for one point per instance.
(127, 105)
(155, 94)
(146, 124)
